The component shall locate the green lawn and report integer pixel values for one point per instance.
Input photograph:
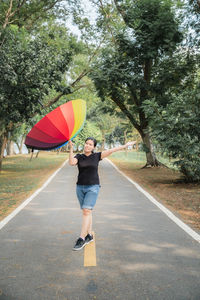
(20, 177)
(139, 158)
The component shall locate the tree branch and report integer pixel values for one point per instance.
(86, 71)
(54, 100)
(127, 113)
(10, 14)
(133, 94)
(78, 79)
(80, 87)
(83, 74)
(43, 10)
(120, 11)
(147, 78)
(106, 16)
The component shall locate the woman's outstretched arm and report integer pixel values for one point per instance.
(106, 153)
(72, 161)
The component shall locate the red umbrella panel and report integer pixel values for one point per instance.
(57, 127)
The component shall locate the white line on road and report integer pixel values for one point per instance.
(20, 207)
(182, 225)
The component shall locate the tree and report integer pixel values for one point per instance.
(27, 23)
(137, 63)
(30, 14)
(30, 67)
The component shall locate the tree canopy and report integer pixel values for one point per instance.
(30, 14)
(131, 67)
(29, 69)
(33, 60)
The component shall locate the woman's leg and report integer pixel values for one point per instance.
(86, 222)
(90, 226)
(90, 198)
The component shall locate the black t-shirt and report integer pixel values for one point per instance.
(88, 168)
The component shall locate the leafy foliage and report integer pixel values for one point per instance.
(30, 14)
(176, 128)
(154, 24)
(30, 68)
(134, 67)
(89, 130)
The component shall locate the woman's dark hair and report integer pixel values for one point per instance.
(92, 139)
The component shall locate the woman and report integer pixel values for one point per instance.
(88, 184)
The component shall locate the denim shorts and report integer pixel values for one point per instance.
(87, 195)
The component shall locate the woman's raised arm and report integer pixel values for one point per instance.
(106, 153)
(72, 161)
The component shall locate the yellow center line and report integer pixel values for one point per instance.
(90, 254)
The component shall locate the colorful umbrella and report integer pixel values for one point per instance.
(57, 127)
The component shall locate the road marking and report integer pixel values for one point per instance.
(170, 215)
(90, 254)
(20, 207)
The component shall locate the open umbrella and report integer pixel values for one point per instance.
(57, 127)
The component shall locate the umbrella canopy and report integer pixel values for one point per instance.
(57, 127)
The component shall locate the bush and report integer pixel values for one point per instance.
(176, 128)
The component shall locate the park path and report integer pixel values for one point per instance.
(140, 252)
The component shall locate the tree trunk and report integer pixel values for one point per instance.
(103, 141)
(3, 141)
(37, 154)
(150, 154)
(10, 147)
(141, 127)
(21, 144)
(125, 141)
(137, 146)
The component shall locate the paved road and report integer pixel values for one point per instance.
(141, 254)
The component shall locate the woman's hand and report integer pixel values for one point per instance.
(130, 144)
(106, 153)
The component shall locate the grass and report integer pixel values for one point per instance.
(139, 158)
(20, 177)
(164, 184)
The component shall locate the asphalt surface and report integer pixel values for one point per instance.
(140, 252)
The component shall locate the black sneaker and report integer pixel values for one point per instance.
(88, 238)
(80, 243)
